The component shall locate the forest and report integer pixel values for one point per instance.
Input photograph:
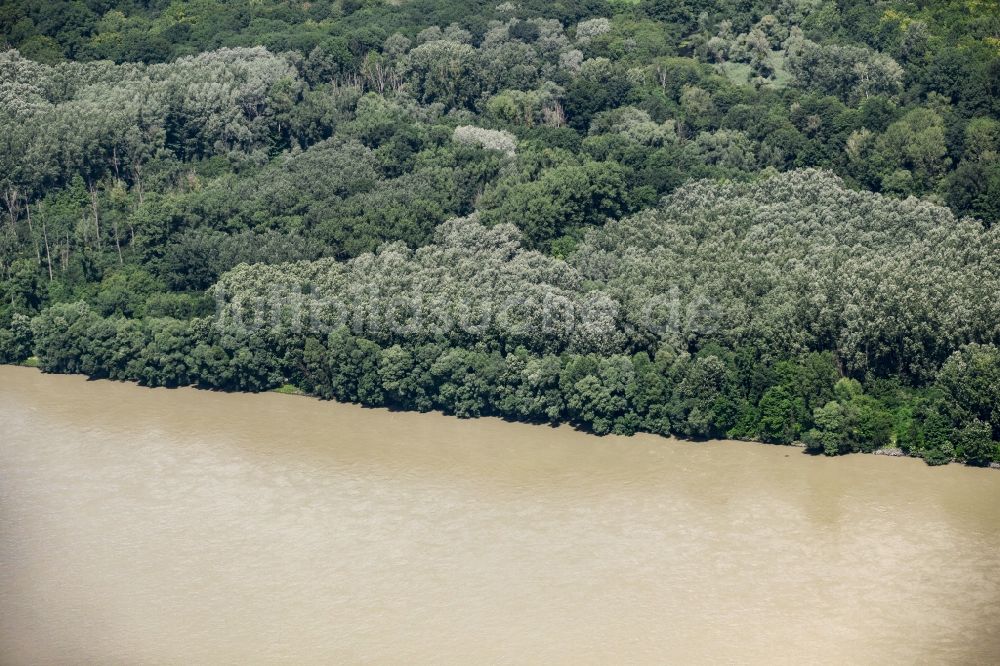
(770, 220)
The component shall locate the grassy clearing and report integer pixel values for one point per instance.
(741, 74)
(288, 389)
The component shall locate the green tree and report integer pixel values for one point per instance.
(830, 432)
(976, 444)
(779, 415)
(938, 435)
(353, 364)
(970, 383)
(15, 343)
(560, 201)
(24, 289)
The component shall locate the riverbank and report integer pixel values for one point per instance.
(289, 389)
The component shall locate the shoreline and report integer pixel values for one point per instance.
(290, 390)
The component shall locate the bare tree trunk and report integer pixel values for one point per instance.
(118, 245)
(93, 206)
(554, 115)
(376, 73)
(31, 230)
(48, 254)
(11, 197)
(137, 175)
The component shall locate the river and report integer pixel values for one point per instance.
(154, 526)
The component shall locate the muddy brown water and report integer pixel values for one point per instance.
(142, 526)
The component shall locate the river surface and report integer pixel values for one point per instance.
(154, 526)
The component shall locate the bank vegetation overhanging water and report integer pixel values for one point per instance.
(890, 449)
